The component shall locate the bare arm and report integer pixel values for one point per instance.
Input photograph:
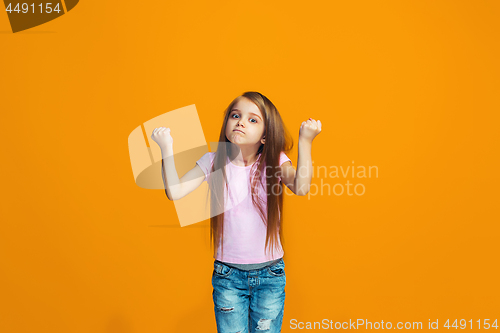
(303, 176)
(299, 181)
(168, 171)
(176, 188)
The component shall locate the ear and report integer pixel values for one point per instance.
(263, 140)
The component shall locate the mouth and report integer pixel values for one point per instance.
(237, 130)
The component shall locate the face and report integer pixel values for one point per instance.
(247, 118)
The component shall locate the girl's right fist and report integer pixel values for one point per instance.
(162, 137)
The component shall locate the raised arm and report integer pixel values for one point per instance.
(175, 188)
(299, 181)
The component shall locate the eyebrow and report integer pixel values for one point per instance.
(250, 113)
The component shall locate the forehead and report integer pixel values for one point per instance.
(247, 106)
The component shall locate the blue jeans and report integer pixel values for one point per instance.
(249, 301)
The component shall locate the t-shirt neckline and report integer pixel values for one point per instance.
(243, 167)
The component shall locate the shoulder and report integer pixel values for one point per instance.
(284, 158)
(206, 160)
(207, 156)
(287, 172)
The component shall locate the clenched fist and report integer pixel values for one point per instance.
(162, 137)
(309, 129)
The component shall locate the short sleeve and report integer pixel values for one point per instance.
(284, 158)
(205, 163)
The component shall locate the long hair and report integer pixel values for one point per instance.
(277, 139)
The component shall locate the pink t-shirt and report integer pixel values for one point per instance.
(244, 230)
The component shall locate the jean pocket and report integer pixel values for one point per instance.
(222, 270)
(277, 269)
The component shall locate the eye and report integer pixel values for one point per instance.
(235, 114)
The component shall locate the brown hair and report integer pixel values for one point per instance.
(277, 139)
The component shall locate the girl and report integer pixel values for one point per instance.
(248, 280)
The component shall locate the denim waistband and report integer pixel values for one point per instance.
(250, 267)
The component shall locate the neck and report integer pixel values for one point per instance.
(245, 157)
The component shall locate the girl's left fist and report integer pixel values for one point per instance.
(309, 129)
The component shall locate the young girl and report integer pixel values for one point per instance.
(248, 280)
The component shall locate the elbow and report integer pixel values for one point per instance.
(174, 197)
(168, 196)
(303, 190)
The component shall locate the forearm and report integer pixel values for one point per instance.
(303, 174)
(169, 173)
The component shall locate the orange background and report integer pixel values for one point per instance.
(410, 87)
